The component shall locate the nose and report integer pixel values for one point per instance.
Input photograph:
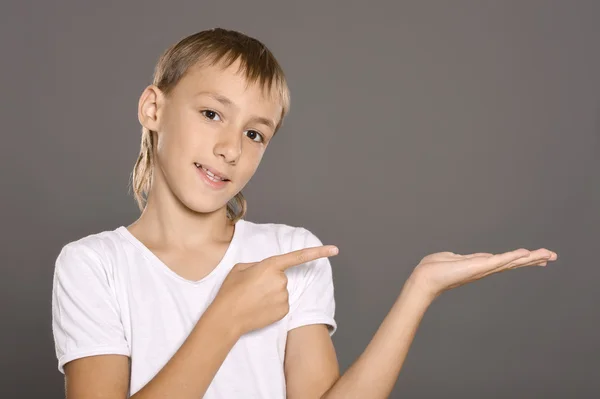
(229, 146)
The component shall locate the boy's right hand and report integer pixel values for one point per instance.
(255, 295)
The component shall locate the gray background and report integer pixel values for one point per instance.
(415, 127)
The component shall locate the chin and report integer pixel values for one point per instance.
(204, 204)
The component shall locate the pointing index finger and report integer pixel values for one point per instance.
(295, 258)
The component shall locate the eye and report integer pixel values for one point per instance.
(210, 114)
(255, 136)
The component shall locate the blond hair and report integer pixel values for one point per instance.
(213, 46)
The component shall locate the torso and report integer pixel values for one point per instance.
(149, 308)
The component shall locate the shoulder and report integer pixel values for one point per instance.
(286, 237)
(92, 252)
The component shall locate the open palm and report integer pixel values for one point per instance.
(446, 270)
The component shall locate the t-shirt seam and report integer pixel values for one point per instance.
(329, 321)
(93, 348)
(301, 278)
(58, 307)
(99, 262)
(110, 279)
(91, 351)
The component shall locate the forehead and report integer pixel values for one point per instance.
(228, 81)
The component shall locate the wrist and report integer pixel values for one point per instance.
(220, 314)
(417, 288)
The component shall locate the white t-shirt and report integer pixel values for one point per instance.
(112, 295)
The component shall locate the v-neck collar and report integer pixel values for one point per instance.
(229, 253)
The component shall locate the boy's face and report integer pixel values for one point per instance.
(212, 120)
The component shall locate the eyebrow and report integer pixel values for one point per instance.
(228, 103)
(218, 97)
(264, 121)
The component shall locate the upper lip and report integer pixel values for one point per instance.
(214, 171)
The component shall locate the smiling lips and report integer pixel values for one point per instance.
(214, 178)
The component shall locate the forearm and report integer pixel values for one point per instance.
(376, 371)
(190, 371)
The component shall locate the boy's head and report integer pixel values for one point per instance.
(216, 101)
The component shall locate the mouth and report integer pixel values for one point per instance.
(212, 174)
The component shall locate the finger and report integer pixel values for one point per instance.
(508, 257)
(244, 266)
(295, 258)
(534, 258)
(543, 262)
(540, 257)
(484, 264)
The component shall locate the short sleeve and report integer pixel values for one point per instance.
(312, 301)
(85, 313)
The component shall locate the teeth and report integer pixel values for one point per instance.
(210, 174)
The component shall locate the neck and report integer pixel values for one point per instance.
(166, 222)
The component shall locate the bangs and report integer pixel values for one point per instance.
(257, 68)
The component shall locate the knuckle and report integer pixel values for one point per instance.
(282, 282)
(302, 256)
(283, 279)
(280, 310)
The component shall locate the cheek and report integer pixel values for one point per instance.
(172, 146)
(184, 136)
(253, 156)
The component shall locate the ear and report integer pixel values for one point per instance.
(149, 108)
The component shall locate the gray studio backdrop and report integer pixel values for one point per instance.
(415, 127)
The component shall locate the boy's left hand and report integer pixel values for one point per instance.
(443, 271)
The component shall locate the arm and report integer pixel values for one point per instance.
(95, 377)
(311, 365)
(375, 372)
(187, 374)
